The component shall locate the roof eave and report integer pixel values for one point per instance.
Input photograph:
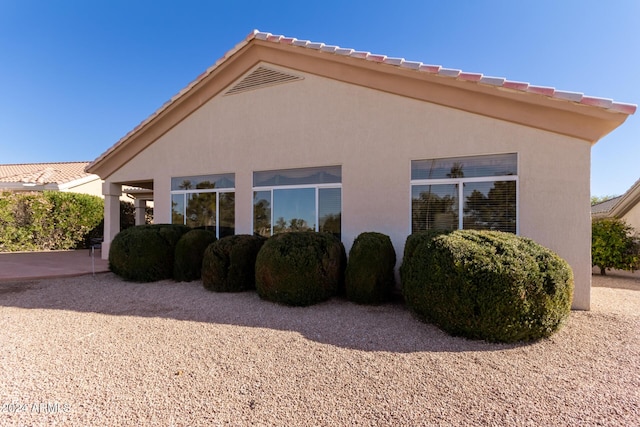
(570, 114)
(627, 201)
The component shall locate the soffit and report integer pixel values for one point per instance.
(567, 113)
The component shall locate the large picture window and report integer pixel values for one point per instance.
(297, 200)
(204, 201)
(477, 192)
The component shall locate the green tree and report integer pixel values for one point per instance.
(599, 199)
(613, 245)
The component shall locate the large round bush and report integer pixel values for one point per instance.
(145, 253)
(370, 278)
(487, 285)
(300, 268)
(229, 263)
(189, 253)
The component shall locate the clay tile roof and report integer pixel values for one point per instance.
(452, 73)
(419, 67)
(605, 207)
(43, 173)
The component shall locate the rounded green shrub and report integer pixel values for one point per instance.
(370, 278)
(487, 285)
(145, 253)
(229, 263)
(300, 268)
(189, 253)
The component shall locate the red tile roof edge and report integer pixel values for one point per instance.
(574, 97)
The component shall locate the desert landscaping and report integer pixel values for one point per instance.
(101, 351)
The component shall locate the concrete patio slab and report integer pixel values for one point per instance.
(50, 264)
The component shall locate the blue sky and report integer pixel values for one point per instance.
(75, 76)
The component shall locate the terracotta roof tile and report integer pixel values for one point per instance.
(43, 173)
(393, 62)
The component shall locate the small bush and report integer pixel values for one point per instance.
(370, 278)
(189, 253)
(145, 253)
(229, 264)
(613, 245)
(487, 285)
(300, 268)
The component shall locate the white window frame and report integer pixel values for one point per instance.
(316, 188)
(461, 182)
(198, 191)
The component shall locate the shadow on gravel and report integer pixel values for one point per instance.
(389, 327)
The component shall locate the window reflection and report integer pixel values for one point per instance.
(435, 207)
(294, 210)
(490, 206)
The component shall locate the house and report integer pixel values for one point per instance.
(285, 134)
(623, 207)
(69, 177)
(62, 176)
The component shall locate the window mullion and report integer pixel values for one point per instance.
(184, 209)
(271, 212)
(217, 215)
(460, 205)
(317, 224)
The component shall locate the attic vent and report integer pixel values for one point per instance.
(262, 77)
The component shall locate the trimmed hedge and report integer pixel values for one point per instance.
(370, 278)
(189, 253)
(48, 220)
(300, 268)
(487, 285)
(229, 263)
(145, 253)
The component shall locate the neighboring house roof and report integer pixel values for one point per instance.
(569, 113)
(603, 208)
(618, 206)
(51, 175)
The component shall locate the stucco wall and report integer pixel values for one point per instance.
(374, 136)
(93, 188)
(633, 218)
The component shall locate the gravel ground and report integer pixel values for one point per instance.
(100, 351)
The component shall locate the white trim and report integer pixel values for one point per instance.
(464, 180)
(460, 182)
(316, 188)
(77, 182)
(297, 186)
(208, 190)
(198, 191)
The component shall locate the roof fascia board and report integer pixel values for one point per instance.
(579, 121)
(626, 202)
(533, 110)
(176, 111)
(19, 186)
(79, 181)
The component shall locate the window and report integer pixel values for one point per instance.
(205, 201)
(297, 200)
(477, 192)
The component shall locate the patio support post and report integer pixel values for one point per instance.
(112, 193)
(140, 208)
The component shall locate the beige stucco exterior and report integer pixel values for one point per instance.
(92, 187)
(372, 118)
(626, 208)
(374, 136)
(632, 217)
